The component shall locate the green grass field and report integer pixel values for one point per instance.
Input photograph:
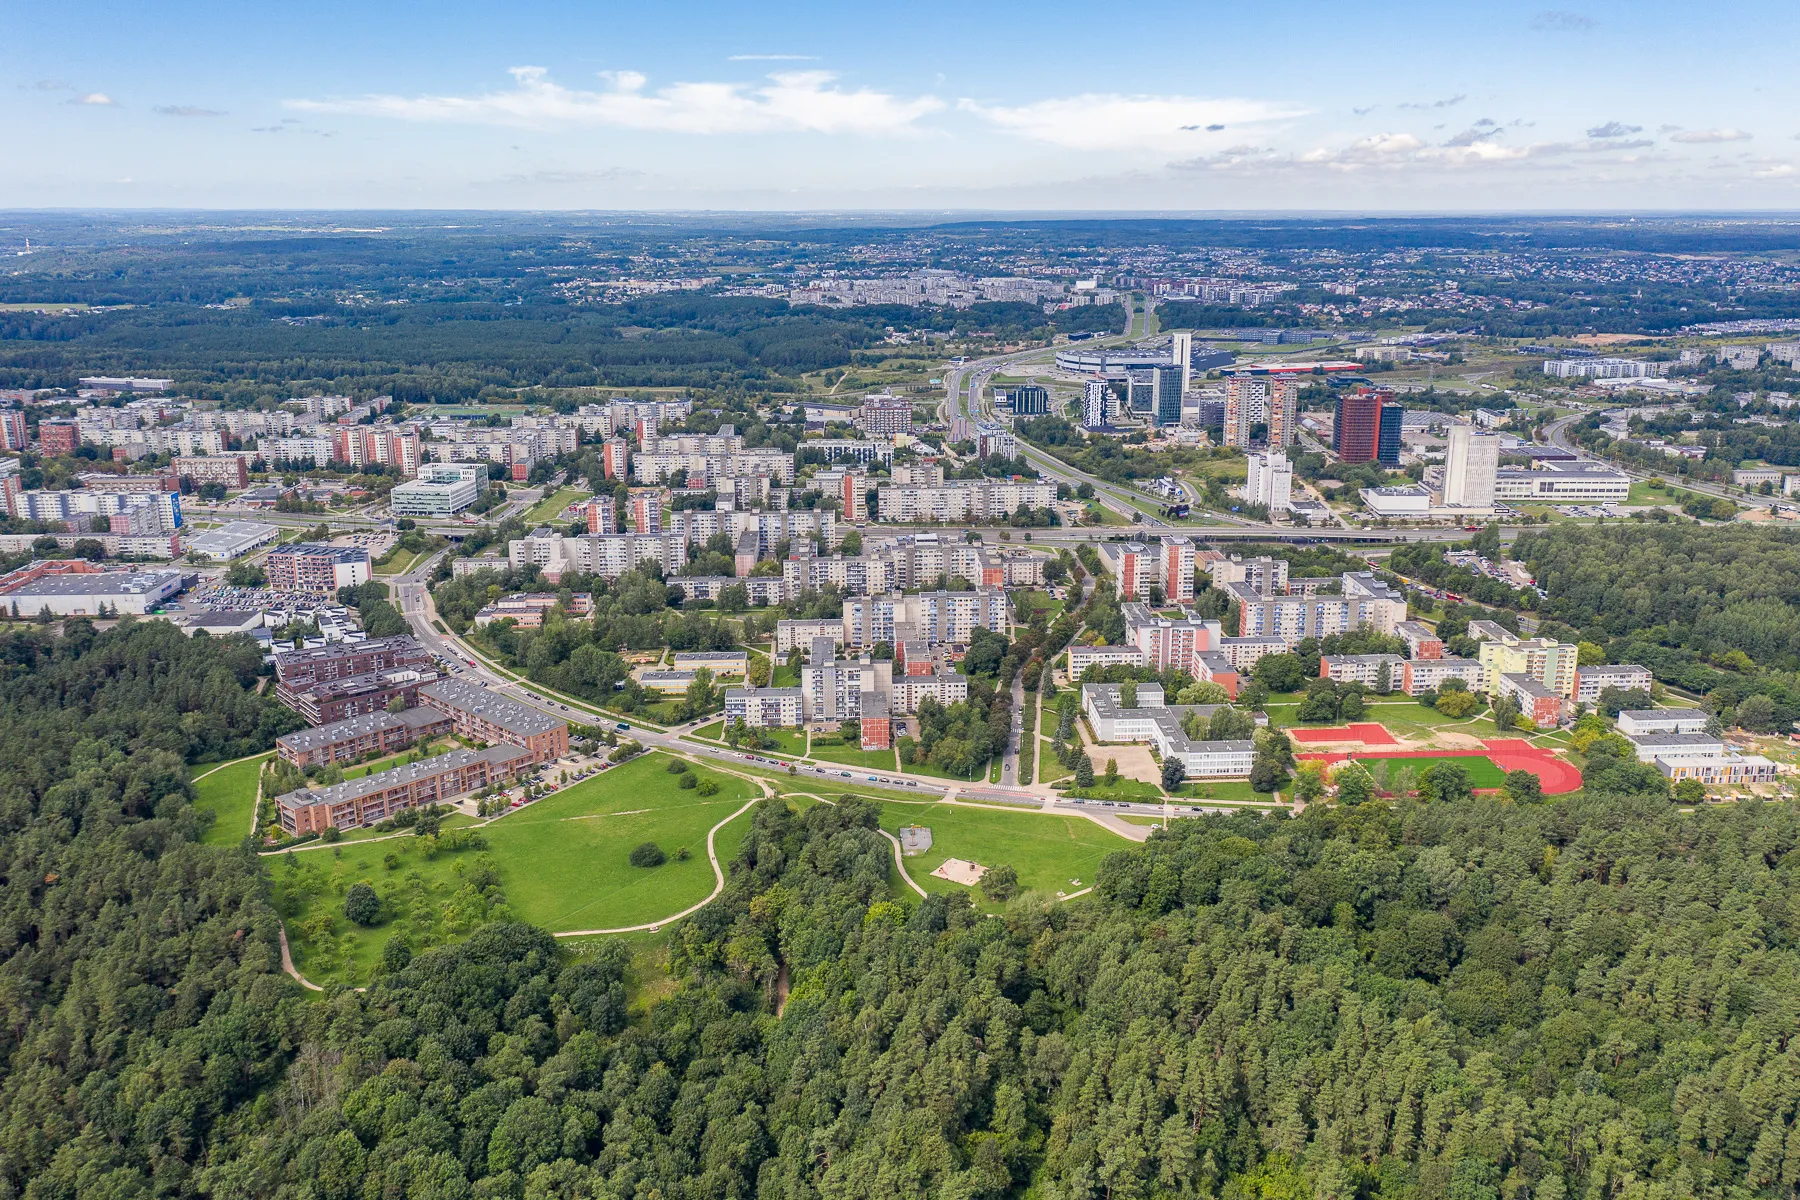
(1026, 602)
(1642, 493)
(784, 676)
(400, 563)
(393, 760)
(1237, 790)
(1404, 718)
(924, 768)
(1122, 789)
(231, 792)
(1050, 852)
(1483, 772)
(561, 863)
(830, 748)
(550, 507)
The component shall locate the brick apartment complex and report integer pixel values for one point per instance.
(340, 660)
(333, 683)
(376, 797)
(376, 733)
(481, 716)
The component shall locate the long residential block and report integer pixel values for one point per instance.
(481, 716)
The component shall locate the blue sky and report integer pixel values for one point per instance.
(1152, 106)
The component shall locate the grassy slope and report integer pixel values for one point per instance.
(1047, 850)
(231, 793)
(562, 864)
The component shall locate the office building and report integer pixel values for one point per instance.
(1096, 405)
(1030, 400)
(1270, 482)
(1391, 428)
(1471, 463)
(441, 490)
(1562, 482)
(316, 567)
(480, 715)
(1165, 395)
(1181, 353)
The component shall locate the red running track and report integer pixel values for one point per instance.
(1368, 735)
(1509, 754)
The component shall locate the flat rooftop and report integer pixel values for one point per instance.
(381, 781)
(99, 583)
(509, 715)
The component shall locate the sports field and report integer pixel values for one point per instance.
(1483, 771)
(561, 863)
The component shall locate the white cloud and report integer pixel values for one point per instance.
(794, 101)
(1167, 124)
(1700, 137)
(1407, 152)
(95, 100)
(187, 110)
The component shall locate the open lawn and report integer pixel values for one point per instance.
(711, 733)
(1221, 789)
(231, 792)
(393, 760)
(782, 741)
(1483, 772)
(923, 768)
(1051, 853)
(550, 507)
(561, 863)
(827, 748)
(1120, 789)
(1025, 603)
(1403, 718)
(785, 676)
(400, 562)
(1642, 493)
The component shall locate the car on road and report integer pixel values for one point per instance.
(623, 727)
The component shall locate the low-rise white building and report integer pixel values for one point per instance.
(1160, 724)
(1635, 721)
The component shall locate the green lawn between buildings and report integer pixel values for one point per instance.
(231, 792)
(1049, 851)
(550, 507)
(561, 863)
(830, 748)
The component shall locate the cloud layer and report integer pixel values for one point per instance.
(788, 102)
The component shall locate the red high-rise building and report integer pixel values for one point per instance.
(1356, 433)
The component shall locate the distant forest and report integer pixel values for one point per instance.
(451, 350)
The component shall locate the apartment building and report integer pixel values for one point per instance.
(1421, 640)
(941, 616)
(1377, 672)
(1550, 663)
(230, 470)
(961, 500)
(359, 737)
(1364, 602)
(1430, 674)
(482, 716)
(1592, 680)
(1544, 705)
(606, 555)
(832, 689)
(1264, 575)
(764, 708)
(359, 802)
(316, 567)
(1167, 566)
